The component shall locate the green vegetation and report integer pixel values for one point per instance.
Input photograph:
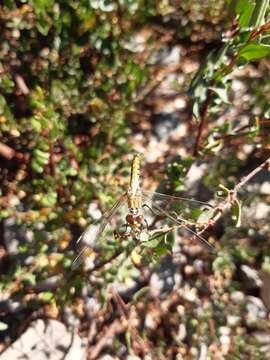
(78, 83)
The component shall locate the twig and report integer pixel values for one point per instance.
(258, 32)
(119, 302)
(202, 121)
(21, 84)
(7, 152)
(226, 205)
(248, 177)
(52, 164)
(117, 327)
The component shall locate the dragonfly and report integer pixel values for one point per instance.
(138, 206)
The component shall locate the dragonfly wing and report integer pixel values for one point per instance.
(166, 197)
(158, 209)
(93, 233)
(83, 254)
(187, 209)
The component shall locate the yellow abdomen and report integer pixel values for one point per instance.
(135, 173)
(134, 193)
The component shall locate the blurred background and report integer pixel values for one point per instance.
(83, 86)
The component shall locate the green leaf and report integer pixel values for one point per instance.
(266, 264)
(7, 84)
(2, 103)
(254, 51)
(3, 326)
(162, 250)
(36, 166)
(151, 243)
(54, 131)
(237, 212)
(222, 94)
(223, 261)
(258, 15)
(225, 191)
(72, 171)
(23, 249)
(41, 154)
(46, 296)
(30, 279)
(36, 125)
(245, 9)
(49, 200)
(44, 248)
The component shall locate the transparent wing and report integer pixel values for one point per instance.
(183, 212)
(97, 234)
(188, 209)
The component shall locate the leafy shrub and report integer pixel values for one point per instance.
(72, 75)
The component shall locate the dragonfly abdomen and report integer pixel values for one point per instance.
(135, 173)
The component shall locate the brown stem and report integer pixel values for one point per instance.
(7, 152)
(20, 82)
(52, 163)
(107, 335)
(248, 177)
(202, 121)
(226, 205)
(256, 33)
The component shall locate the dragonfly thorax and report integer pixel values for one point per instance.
(134, 199)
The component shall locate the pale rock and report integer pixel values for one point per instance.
(46, 340)
(252, 278)
(255, 309)
(237, 297)
(233, 320)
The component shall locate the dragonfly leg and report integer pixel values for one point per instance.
(179, 218)
(148, 207)
(122, 233)
(117, 234)
(146, 225)
(126, 227)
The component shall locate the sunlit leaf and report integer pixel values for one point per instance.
(254, 51)
(3, 326)
(237, 212)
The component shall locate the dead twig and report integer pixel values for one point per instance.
(202, 121)
(52, 161)
(116, 327)
(21, 84)
(7, 152)
(232, 195)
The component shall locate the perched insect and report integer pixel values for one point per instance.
(139, 205)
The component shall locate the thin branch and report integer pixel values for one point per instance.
(51, 161)
(21, 84)
(232, 195)
(117, 327)
(202, 121)
(6, 151)
(248, 177)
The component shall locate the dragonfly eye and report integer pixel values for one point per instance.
(139, 218)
